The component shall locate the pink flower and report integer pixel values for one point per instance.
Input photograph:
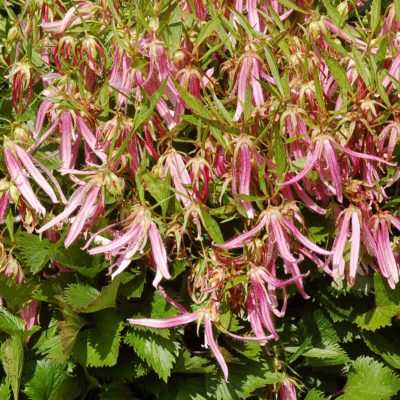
(185, 319)
(139, 230)
(250, 73)
(242, 171)
(85, 197)
(75, 15)
(287, 391)
(353, 216)
(29, 314)
(15, 167)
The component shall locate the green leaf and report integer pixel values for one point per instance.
(369, 379)
(211, 226)
(339, 74)
(5, 390)
(205, 33)
(274, 70)
(98, 346)
(375, 15)
(333, 13)
(279, 154)
(289, 4)
(315, 394)
(79, 295)
(69, 328)
(186, 364)
(361, 68)
(388, 350)
(158, 352)
(330, 354)
(35, 251)
(319, 94)
(193, 102)
(47, 381)
(160, 189)
(386, 306)
(10, 323)
(12, 357)
(16, 294)
(106, 299)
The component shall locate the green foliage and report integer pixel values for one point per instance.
(158, 352)
(46, 382)
(369, 379)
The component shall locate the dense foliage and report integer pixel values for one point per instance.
(199, 199)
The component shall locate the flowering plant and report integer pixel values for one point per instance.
(201, 194)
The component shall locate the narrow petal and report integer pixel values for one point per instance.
(21, 181)
(355, 245)
(158, 250)
(35, 174)
(303, 240)
(166, 322)
(311, 160)
(237, 242)
(340, 242)
(134, 231)
(281, 240)
(364, 156)
(73, 203)
(214, 347)
(82, 216)
(334, 169)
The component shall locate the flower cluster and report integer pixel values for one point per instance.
(228, 147)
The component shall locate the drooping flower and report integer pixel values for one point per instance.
(242, 172)
(183, 320)
(139, 229)
(349, 218)
(287, 391)
(17, 161)
(90, 197)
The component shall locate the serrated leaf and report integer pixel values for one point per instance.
(388, 350)
(35, 251)
(330, 354)
(47, 381)
(10, 323)
(386, 306)
(244, 379)
(79, 296)
(12, 358)
(98, 346)
(16, 294)
(315, 394)
(158, 352)
(369, 379)
(211, 226)
(69, 328)
(106, 298)
(186, 364)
